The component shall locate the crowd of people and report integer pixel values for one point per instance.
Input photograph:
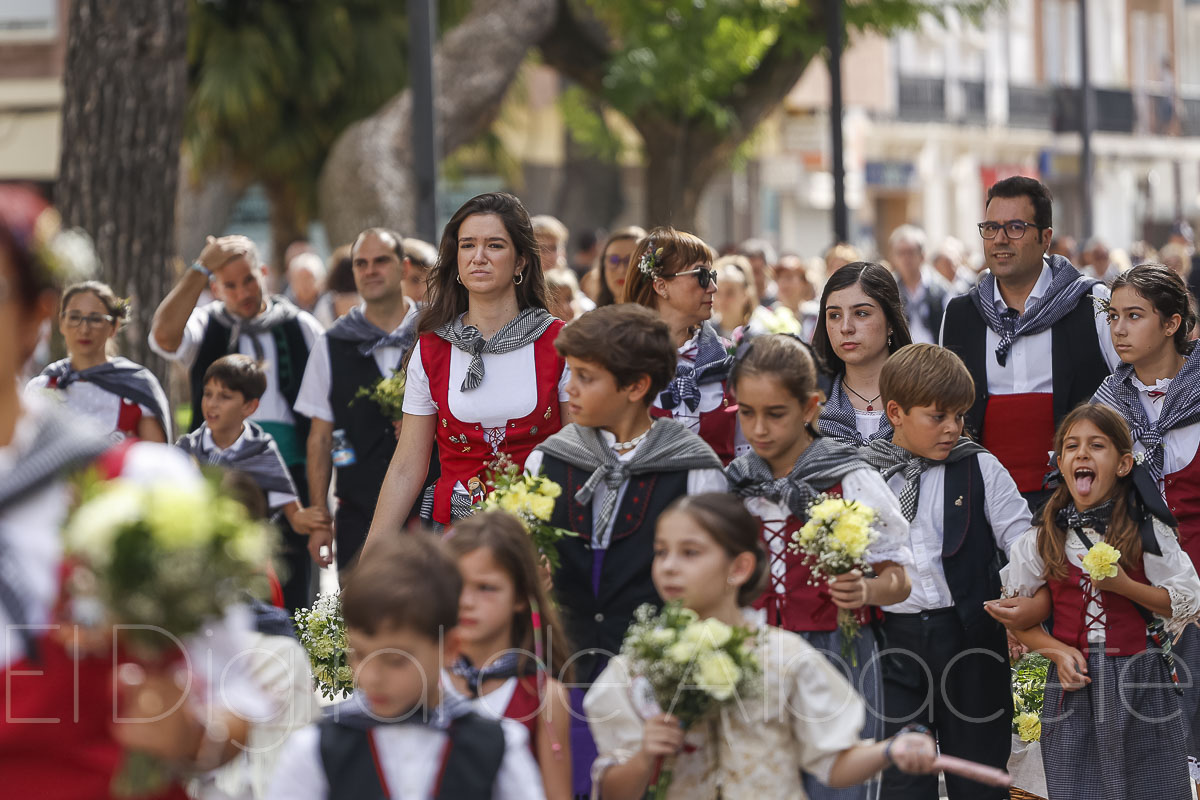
(691, 407)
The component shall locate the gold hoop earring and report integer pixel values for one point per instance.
(519, 278)
(458, 277)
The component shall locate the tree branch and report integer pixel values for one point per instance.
(578, 46)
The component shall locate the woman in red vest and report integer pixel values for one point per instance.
(484, 377)
(63, 733)
(123, 397)
(672, 272)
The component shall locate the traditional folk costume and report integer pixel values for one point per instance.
(805, 717)
(1030, 369)
(518, 698)
(353, 355)
(613, 502)
(116, 394)
(962, 512)
(253, 452)
(280, 337)
(699, 396)
(1165, 422)
(509, 407)
(1124, 734)
(451, 753)
(841, 420)
(55, 735)
(791, 602)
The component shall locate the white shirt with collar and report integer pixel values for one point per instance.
(273, 406)
(1180, 445)
(917, 301)
(1028, 368)
(274, 499)
(410, 758)
(313, 399)
(698, 482)
(1006, 511)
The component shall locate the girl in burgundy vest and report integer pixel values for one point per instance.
(671, 272)
(775, 379)
(507, 625)
(484, 377)
(1157, 389)
(1111, 722)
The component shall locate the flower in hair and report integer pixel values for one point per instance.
(651, 262)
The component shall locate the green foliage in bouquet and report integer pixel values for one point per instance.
(322, 631)
(529, 498)
(388, 394)
(1029, 688)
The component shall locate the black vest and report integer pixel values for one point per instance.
(599, 620)
(468, 772)
(369, 431)
(291, 352)
(970, 558)
(1076, 358)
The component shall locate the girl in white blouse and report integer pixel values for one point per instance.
(1111, 721)
(805, 718)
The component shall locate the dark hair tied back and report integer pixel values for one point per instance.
(1169, 295)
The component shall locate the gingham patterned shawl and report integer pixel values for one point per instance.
(711, 364)
(524, 329)
(1180, 407)
(822, 464)
(838, 421)
(355, 327)
(1067, 285)
(121, 377)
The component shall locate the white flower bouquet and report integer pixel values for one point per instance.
(322, 631)
(161, 560)
(529, 498)
(692, 666)
(835, 540)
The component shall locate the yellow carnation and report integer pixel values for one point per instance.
(541, 506)
(853, 536)
(550, 489)
(827, 510)
(718, 675)
(806, 534)
(514, 501)
(1029, 726)
(1101, 561)
(179, 517)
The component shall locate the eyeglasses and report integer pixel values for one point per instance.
(703, 276)
(617, 261)
(1014, 228)
(75, 319)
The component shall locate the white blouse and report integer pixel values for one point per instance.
(805, 716)
(867, 422)
(89, 400)
(1173, 571)
(865, 486)
(1179, 444)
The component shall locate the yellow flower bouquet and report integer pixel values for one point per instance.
(388, 394)
(1101, 560)
(529, 498)
(835, 540)
(691, 667)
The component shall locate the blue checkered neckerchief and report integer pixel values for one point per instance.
(710, 364)
(506, 665)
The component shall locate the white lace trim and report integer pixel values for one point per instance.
(601, 766)
(1185, 610)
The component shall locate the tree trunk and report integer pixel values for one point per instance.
(680, 161)
(125, 90)
(288, 223)
(203, 206)
(367, 179)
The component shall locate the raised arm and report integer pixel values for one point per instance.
(405, 476)
(171, 316)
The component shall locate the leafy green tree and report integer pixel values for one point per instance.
(274, 82)
(696, 77)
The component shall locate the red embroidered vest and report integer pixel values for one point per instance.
(718, 427)
(525, 708)
(1124, 628)
(1182, 489)
(463, 448)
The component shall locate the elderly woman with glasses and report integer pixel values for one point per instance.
(672, 273)
(123, 398)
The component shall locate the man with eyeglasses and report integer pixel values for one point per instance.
(244, 319)
(1029, 333)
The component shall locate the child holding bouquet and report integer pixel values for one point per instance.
(511, 641)
(949, 663)
(790, 467)
(1120, 587)
(803, 715)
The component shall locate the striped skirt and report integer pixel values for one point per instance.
(867, 680)
(1122, 736)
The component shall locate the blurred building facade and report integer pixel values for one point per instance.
(33, 47)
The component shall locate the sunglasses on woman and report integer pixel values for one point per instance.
(703, 276)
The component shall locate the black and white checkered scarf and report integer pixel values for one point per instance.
(355, 327)
(257, 455)
(1067, 285)
(279, 310)
(838, 420)
(891, 459)
(1180, 406)
(121, 377)
(711, 364)
(822, 464)
(524, 329)
(668, 447)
